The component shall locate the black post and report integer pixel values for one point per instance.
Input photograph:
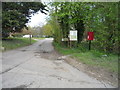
(30, 38)
(89, 44)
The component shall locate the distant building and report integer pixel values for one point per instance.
(27, 36)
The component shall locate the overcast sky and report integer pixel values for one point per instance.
(38, 19)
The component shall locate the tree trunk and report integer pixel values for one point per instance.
(80, 29)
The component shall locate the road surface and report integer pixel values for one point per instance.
(26, 68)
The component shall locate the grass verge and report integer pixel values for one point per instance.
(13, 43)
(38, 38)
(91, 58)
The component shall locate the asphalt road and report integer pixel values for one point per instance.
(25, 68)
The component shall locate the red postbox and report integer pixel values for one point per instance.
(90, 36)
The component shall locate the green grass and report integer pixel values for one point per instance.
(13, 43)
(91, 58)
(109, 62)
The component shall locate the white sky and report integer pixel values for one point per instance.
(38, 19)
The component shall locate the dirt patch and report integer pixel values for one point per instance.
(96, 72)
(23, 50)
(53, 55)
